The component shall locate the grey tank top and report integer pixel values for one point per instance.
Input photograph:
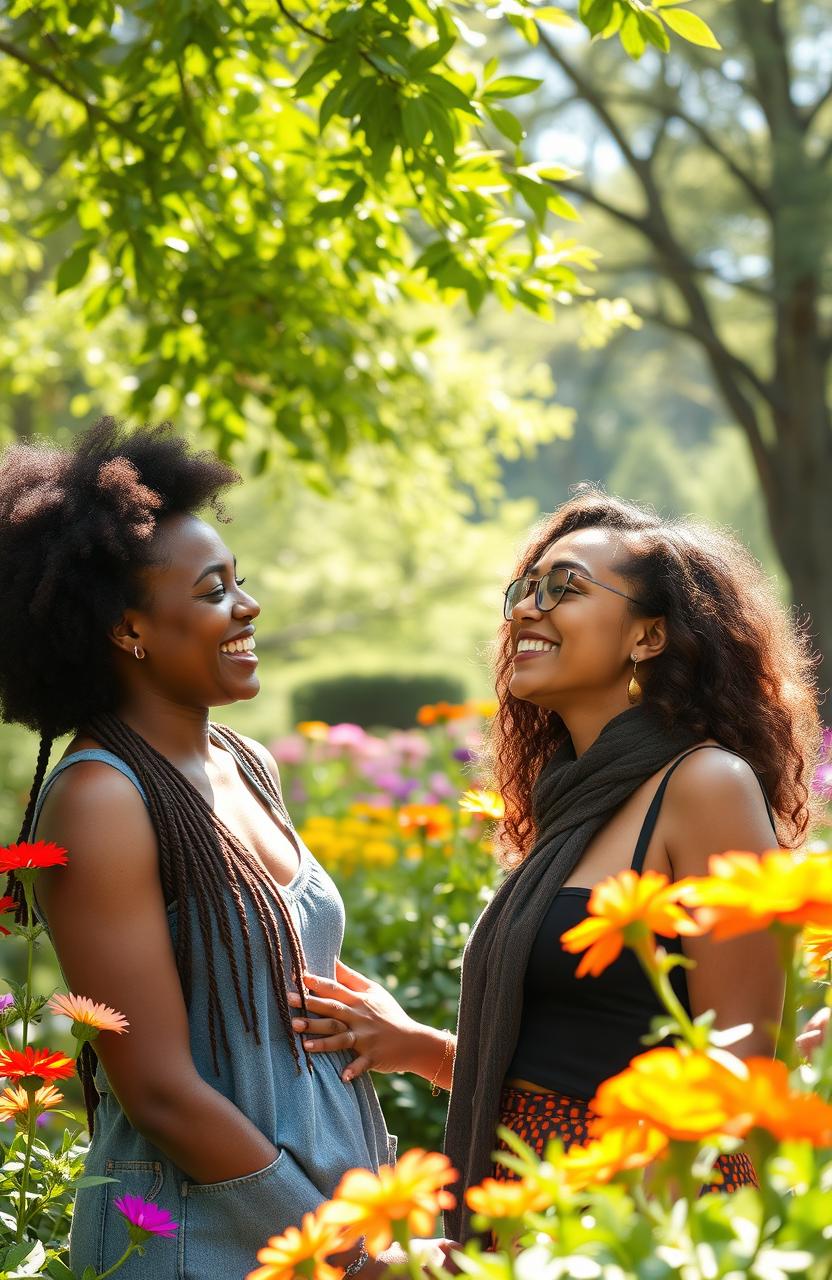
(320, 1126)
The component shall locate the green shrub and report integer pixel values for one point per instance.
(384, 700)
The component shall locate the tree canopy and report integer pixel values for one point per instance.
(266, 196)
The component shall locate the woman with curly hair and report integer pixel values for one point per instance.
(656, 706)
(188, 902)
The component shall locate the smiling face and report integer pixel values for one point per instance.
(196, 625)
(577, 655)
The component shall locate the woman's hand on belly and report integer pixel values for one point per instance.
(355, 1013)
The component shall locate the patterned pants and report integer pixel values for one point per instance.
(537, 1117)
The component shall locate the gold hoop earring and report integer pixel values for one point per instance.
(138, 651)
(635, 693)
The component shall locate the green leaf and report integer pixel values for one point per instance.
(690, 27)
(73, 269)
(597, 15)
(331, 103)
(449, 93)
(415, 121)
(653, 31)
(58, 1270)
(632, 39)
(557, 17)
(431, 54)
(507, 123)
(511, 86)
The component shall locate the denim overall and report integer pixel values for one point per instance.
(320, 1126)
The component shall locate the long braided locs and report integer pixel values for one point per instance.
(199, 860)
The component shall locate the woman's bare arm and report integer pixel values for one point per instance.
(107, 917)
(714, 804)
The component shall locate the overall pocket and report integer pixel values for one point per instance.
(146, 1179)
(225, 1223)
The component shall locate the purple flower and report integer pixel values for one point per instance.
(822, 781)
(441, 786)
(145, 1219)
(6, 1002)
(826, 744)
(464, 754)
(409, 744)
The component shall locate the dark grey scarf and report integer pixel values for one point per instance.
(572, 800)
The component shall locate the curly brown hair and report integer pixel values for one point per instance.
(737, 666)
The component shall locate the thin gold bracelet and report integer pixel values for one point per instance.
(434, 1087)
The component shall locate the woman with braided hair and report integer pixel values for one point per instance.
(189, 902)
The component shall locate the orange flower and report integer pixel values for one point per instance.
(496, 1199)
(693, 1098)
(765, 1101)
(441, 712)
(433, 819)
(412, 1193)
(14, 1102)
(483, 804)
(315, 730)
(19, 1063)
(302, 1251)
(610, 1153)
(743, 893)
(817, 949)
(86, 1013)
(623, 910)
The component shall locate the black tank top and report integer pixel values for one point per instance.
(576, 1032)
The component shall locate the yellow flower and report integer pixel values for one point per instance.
(486, 709)
(302, 1251)
(483, 804)
(411, 1194)
(743, 893)
(817, 948)
(315, 730)
(611, 1153)
(87, 1013)
(623, 910)
(495, 1199)
(380, 853)
(14, 1102)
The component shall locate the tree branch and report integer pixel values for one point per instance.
(674, 111)
(811, 113)
(92, 109)
(700, 268)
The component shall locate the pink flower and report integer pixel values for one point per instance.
(145, 1219)
(347, 735)
(288, 750)
(410, 745)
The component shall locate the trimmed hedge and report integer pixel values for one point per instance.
(374, 701)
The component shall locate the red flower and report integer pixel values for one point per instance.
(26, 857)
(19, 1063)
(6, 904)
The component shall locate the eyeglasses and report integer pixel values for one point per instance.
(549, 591)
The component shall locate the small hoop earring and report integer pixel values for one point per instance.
(138, 651)
(635, 693)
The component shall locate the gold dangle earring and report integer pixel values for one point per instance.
(634, 690)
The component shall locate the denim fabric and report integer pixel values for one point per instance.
(320, 1126)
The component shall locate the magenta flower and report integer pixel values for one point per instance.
(822, 782)
(145, 1219)
(6, 1001)
(347, 735)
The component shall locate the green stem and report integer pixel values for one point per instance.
(661, 984)
(24, 1176)
(110, 1270)
(30, 955)
(786, 1049)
